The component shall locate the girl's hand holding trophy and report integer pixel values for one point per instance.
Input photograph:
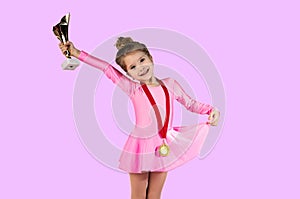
(61, 32)
(68, 47)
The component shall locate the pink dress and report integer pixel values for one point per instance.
(139, 153)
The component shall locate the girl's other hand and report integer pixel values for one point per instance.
(70, 47)
(214, 117)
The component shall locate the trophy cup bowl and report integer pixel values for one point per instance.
(60, 30)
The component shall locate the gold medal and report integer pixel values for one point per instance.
(164, 150)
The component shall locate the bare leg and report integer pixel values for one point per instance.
(156, 183)
(139, 183)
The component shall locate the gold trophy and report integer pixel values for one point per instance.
(61, 32)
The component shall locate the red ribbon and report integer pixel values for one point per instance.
(162, 129)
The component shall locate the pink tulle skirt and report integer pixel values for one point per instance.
(139, 154)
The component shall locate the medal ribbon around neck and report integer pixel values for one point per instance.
(162, 129)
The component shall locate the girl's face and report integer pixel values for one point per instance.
(139, 66)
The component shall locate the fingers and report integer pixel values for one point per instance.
(68, 46)
(213, 121)
(214, 117)
(64, 47)
(210, 117)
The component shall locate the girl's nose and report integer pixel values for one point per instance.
(140, 67)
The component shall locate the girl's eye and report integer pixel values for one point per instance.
(132, 67)
(143, 59)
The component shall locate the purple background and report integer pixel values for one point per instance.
(255, 47)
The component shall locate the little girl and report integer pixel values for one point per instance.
(153, 147)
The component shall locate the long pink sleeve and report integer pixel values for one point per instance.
(127, 85)
(190, 104)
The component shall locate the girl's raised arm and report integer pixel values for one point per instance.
(127, 85)
(111, 72)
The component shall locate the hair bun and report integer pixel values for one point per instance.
(122, 41)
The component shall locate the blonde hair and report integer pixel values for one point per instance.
(125, 46)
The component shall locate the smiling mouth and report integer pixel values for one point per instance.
(144, 73)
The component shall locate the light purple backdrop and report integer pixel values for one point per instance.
(255, 47)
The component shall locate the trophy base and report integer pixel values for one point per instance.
(70, 64)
